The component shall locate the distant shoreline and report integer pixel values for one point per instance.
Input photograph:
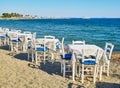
(14, 18)
(50, 18)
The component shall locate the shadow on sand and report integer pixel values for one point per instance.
(107, 85)
(4, 47)
(51, 68)
(71, 85)
(48, 67)
(21, 56)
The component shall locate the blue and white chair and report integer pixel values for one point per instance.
(45, 50)
(31, 49)
(89, 64)
(78, 55)
(49, 42)
(65, 60)
(14, 41)
(28, 38)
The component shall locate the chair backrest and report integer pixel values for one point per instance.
(86, 53)
(99, 55)
(13, 36)
(28, 37)
(27, 32)
(78, 42)
(19, 31)
(49, 41)
(2, 33)
(108, 50)
(34, 35)
(32, 42)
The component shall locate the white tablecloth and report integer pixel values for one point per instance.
(47, 40)
(79, 48)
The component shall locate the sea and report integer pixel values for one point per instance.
(94, 31)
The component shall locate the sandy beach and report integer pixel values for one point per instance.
(17, 72)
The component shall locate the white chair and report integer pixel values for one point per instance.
(28, 38)
(31, 47)
(108, 51)
(45, 49)
(88, 64)
(14, 41)
(6, 30)
(78, 55)
(2, 38)
(49, 42)
(78, 43)
(65, 60)
(106, 63)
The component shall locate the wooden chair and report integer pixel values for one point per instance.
(78, 55)
(65, 60)
(88, 64)
(106, 63)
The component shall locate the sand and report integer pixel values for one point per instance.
(17, 72)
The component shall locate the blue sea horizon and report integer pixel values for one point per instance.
(94, 31)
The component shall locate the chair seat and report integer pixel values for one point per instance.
(67, 56)
(42, 49)
(15, 41)
(88, 61)
(2, 36)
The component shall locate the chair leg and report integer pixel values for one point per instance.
(79, 71)
(101, 72)
(76, 69)
(36, 57)
(61, 66)
(11, 47)
(104, 67)
(95, 69)
(64, 68)
(32, 56)
(44, 57)
(52, 58)
(0, 42)
(108, 67)
(82, 73)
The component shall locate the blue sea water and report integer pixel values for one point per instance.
(94, 31)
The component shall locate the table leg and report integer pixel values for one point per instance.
(73, 71)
